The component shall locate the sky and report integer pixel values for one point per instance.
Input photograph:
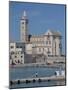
(41, 17)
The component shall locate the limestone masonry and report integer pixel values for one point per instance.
(47, 44)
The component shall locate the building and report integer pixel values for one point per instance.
(24, 28)
(16, 52)
(47, 44)
(18, 55)
(35, 48)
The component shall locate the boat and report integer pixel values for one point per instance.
(60, 73)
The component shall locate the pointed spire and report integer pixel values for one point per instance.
(24, 13)
(24, 16)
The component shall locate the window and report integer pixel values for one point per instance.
(43, 49)
(12, 52)
(10, 57)
(15, 56)
(12, 47)
(49, 42)
(46, 42)
(17, 46)
(22, 22)
(48, 51)
(48, 36)
(18, 61)
(60, 46)
(21, 56)
(20, 46)
(39, 49)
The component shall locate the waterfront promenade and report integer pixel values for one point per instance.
(37, 79)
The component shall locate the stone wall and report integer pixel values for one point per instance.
(57, 59)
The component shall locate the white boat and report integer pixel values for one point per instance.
(60, 73)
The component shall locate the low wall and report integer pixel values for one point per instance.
(51, 59)
(56, 59)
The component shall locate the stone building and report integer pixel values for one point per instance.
(18, 55)
(47, 44)
(34, 48)
(16, 52)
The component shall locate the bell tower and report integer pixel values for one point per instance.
(23, 28)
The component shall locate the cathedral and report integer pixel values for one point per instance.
(48, 43)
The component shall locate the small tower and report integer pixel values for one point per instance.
(23, 28)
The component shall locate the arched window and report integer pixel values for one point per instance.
(39, 49)
(49, 42)
(48, 51)
(46, 42)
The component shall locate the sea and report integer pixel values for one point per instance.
(29, 72)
